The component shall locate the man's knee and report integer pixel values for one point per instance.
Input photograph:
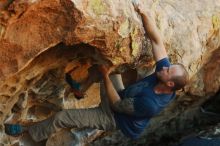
(117, 82)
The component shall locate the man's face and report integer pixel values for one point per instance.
(167, 73)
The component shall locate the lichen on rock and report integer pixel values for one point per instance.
(38, 39)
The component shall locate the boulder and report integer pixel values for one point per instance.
(40, 38)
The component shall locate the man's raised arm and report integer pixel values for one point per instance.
(153, 33)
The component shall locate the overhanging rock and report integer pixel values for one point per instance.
(38, 38)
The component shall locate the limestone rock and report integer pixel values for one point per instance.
(39, 38)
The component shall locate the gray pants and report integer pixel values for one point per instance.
(100, 117)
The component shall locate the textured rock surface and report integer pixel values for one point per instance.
(38, 38)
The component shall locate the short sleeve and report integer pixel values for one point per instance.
(162, 63)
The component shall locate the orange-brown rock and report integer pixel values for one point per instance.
(40, 38)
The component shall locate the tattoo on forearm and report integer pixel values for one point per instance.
(125, 106)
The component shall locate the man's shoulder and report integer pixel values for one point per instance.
(161, 63)
(149, 78)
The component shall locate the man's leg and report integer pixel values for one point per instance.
(74, 118)
(86, 132)
(117, 82)
(82, 134)
(99, 118)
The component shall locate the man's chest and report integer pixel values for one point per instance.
(139, 88)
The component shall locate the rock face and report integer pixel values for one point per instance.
(39, 38)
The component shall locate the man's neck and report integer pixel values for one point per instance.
(161, 88)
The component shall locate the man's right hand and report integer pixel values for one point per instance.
(106, 70)
(112, 94)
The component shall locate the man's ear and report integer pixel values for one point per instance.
(170, 84)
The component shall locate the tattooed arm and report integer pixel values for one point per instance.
(124, 106)
(117, 104)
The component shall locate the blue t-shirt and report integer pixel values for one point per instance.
(146, 103)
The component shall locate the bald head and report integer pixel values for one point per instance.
(180, 76)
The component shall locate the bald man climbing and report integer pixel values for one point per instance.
(128, 109)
